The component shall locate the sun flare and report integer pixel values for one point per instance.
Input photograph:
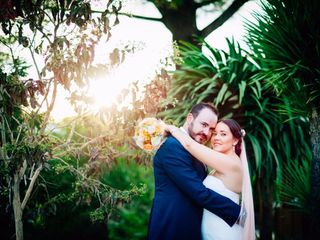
(105, 90)
(139, 67)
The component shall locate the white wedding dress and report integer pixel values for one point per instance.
(213, 227)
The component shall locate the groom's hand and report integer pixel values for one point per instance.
(242, 217)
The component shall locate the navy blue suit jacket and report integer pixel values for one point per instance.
(180, 196)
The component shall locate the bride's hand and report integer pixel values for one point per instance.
(169, 129)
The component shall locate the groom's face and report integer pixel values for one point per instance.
(200, 128)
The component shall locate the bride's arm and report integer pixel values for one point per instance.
(219, 161)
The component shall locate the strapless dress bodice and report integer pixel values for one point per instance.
(213, 227)
(218, 186)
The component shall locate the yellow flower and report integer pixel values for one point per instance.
(149, 134)
(148, 147)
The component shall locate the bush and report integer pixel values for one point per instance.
(130, 220)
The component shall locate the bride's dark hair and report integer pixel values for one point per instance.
(236, 132)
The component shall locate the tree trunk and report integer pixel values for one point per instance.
(266, 217)
(315, 172)
(267, 227)
(17, 207)
(260, 205)
(291, 223)
(181, 21)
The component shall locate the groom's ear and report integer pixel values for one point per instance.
(189, 118)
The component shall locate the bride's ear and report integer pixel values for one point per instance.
(235, 141)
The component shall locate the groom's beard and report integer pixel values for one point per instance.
(197, 136)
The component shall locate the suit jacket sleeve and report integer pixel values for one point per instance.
(177, 163)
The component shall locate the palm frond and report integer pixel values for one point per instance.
(295, 185)
(285, 41)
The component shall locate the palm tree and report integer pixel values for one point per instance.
(286, 41)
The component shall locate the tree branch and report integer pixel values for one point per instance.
(49, 110)
(32, 55)
(73, 127)
(133, 15)
(22, 169)
(234, 7)
(45, 97)
(140, 17)
(32, 182)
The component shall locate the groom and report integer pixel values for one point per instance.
(180, 196)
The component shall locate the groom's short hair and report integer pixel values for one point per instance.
(196, 109)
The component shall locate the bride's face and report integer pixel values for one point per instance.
(222, 139)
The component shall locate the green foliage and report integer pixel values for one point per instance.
(216, 77)
(62, 198)
(60, 207)
(15, 65)
(19, 130)
(85, 185)
(130, 220)
(285, 40)
(296, 184)
(61, 195)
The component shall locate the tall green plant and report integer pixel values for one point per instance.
(285, 39)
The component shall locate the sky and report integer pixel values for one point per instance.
(234, 27)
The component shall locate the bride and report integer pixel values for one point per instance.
(230, 178)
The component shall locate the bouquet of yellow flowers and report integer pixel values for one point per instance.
(149, 134)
